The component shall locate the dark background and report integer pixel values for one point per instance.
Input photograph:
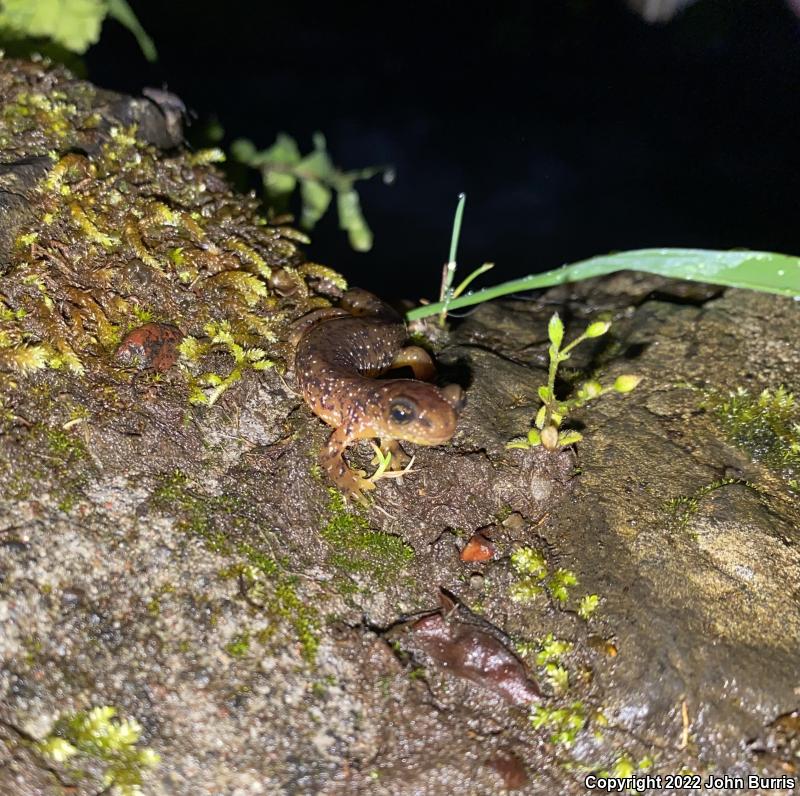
(574, 127)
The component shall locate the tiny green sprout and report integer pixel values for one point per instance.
(559, 583)
(564, 723)
(528, 561)
(588, 605)
(551, 649)
(384, 461)
(553, 412)
(100, 736)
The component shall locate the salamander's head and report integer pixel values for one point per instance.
(417, 412)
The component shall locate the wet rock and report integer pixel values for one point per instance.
(510, 768)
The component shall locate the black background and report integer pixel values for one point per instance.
(574, 127)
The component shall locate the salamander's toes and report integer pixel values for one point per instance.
(354, 483)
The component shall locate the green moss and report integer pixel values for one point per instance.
(563, 723)
(63, 444)
(356, 548)
(101, 205)
(766, 425)
(588, 605)
(684, 507)
(239, 646)
(535, 577)
(559, 583)
(503, 513)
(99, 736)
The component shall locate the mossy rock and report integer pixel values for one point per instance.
(173, 562)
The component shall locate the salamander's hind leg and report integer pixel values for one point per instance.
(352, 482)
(416, 358)
(400, 458)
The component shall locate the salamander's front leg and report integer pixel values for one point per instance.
(416, 358)
(352, 482)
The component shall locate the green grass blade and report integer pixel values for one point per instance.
(456, 234)
(765, 271)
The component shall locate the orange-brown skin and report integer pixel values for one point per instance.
(338, 356)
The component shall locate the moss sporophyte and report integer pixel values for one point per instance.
(547, 430)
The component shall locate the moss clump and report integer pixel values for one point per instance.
(563, 723)
(98, 735)
(766, 425)
(549, 654)
(535, 577)
(356, 548)
(47, 458)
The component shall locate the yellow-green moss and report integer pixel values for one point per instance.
(239, 646)
(99, 736)
(562, 723)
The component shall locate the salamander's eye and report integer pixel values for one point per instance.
(402, 411)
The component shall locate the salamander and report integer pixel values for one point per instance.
(339, 353)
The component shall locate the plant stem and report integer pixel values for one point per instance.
(449, 270)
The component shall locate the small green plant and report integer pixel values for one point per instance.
(100, 735)
(384, 462)
(684, 507)
(72, 24)
(588, 605)
(550, 657)
(551, 415)
(282, 168)
(530, 565)
(447, 293)
(563, 723)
